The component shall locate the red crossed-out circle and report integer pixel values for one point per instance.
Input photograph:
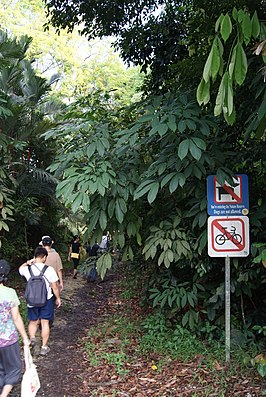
(239, 246)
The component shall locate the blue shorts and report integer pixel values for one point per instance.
(45, 312)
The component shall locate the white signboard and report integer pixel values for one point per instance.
(228, 236)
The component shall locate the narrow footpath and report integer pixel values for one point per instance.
(68, 372)
(61, 370)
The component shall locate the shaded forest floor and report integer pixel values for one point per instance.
(102, 364)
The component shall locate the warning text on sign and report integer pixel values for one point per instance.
(228, 209)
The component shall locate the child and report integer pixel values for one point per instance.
(10, 322)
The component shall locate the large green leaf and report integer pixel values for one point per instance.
(118, 212)
(220, 96)
(77, 202)
(122, 204)
(94, 217)
(86, 202)
(174, 183)
(162, 129)
(212, 65)
(182, 126)
(91, 149)
(183, 149)
(103, 264)
(172, 122)
(111, 208)
(207, 67)
(218, 22)
(194, 150)
(240, 64)
(203, 92)
(103, 220)
(231, 68)
(143, 188)
(167, 178)
(154, 188)
(246, 28)
(230, 118)
(226, 27)
(199, 142)
(255, 25)
(216, 60)
(230, 102)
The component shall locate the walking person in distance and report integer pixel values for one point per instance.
(53, 259)
(74, 254)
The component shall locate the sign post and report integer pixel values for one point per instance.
(227, 309)
(228, 231)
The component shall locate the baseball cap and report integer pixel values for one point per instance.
(43, 237)
(46, 240)
(4, 267)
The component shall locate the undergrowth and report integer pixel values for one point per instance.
(121, 340)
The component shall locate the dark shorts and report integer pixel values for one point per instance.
(45, 312)
(75, 262)
(10, 365)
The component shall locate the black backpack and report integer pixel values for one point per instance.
(36, 290)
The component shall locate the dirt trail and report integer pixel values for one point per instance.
(60, 371)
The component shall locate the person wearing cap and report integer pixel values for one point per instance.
(10, 323)
(53, 259)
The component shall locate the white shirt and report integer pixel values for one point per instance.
(50, 275)
(103, 244)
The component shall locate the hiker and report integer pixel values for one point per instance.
(74, 253)
(88, 248)
(104, 243)
(94, 249)
(92, 273)
(41, 244)
(45, 313)
(53, 259)
(10, 323)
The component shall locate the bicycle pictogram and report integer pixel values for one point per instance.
(236, 238)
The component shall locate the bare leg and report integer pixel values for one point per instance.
(32, 328)
(6, 390)
(45, 332)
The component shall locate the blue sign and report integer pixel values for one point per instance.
(226, 200)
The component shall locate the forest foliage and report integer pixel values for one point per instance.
(139, 171)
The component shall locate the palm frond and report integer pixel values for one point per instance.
(37, 183)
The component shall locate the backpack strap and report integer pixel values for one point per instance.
(29, 268)
(42, 273)
(43, 270)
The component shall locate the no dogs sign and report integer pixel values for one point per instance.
(225, 199)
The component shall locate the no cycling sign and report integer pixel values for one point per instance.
(228, 236)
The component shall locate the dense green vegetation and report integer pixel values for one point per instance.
(138, 167)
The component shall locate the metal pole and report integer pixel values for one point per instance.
(227, 309)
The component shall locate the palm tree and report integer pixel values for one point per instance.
(26, 189)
